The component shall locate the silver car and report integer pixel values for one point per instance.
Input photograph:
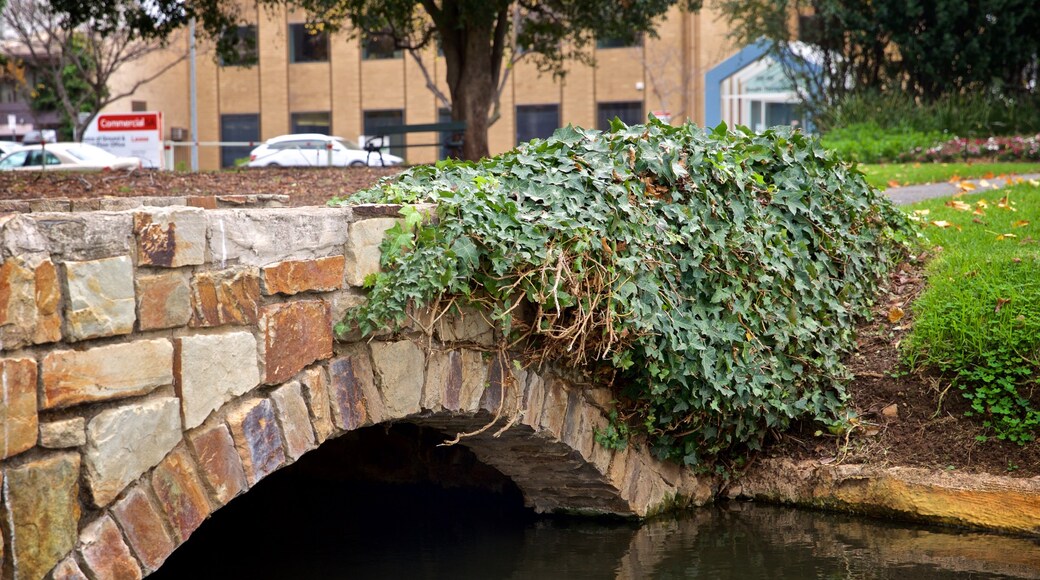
(65, 157)
(315, 150)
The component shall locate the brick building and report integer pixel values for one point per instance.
(297, 81)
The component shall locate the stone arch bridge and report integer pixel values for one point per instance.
(157, 362)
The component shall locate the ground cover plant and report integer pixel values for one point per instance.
(978, 321)
(884, 175)
(714, 276)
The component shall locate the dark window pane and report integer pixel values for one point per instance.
(376, 119)
(239, 47)
(307, 45)
(318, 122)
(630, 113)
(379, 46)
(450, 141)
(620, 42)
(536, 121)
(238, 128)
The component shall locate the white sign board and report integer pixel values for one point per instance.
(129, 135)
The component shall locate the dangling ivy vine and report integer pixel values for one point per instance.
(716, 274)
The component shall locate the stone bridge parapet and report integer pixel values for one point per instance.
(157, 362)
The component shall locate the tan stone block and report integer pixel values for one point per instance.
(576, 433)
(105, 554)
(170, 237)
(219, 462)
(210, 370)
(29, 300)
(295, 276)
(163, 300)
(143, 525)
(64, 433)
(316, 388)
(100, 298)
(17, 406)
(596, 422)
(225, 297)
(295, 335)
(617, 473)
(180, 494)
(442, 369)
(363, 240)
(355, 402)
(42, 512)
(125, 442)
(554, 407)
(257, 438)
(68, 569)
(294, 418)
(115, 371)
(534, 397)
(399, 367)
(474, 380)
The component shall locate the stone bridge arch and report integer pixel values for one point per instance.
(156, 363)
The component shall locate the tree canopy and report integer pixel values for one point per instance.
(476, 36)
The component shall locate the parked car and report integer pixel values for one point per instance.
(312, 150)
(8, 146)
(65, 157)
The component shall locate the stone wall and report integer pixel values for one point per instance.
(157, 362)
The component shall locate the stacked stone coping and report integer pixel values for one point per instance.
(109, 203)
(159, 361)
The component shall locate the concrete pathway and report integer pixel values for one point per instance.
(915, 193)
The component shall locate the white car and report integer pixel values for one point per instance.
(65, 157)
(313, 150)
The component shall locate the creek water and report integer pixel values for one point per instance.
(314, 523)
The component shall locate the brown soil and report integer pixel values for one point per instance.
(904, 419)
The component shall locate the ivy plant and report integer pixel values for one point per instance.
(712, 275)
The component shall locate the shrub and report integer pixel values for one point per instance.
(869, 143)
(715, 275)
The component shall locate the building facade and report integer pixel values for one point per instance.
(288, 79)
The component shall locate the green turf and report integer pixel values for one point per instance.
(888, 175)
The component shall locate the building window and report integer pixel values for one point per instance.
(307, 44)
(536, 121)
(378, 47)
(238, 128)
(620, 42)
(373, 120)
(630, 113)
(238, 47)
(320, 122)
(138, 106)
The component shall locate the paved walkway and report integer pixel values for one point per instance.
(915, 193)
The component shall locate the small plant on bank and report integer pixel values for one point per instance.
(712, 276)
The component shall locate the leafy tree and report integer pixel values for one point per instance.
(477, 37)
(45, 95)
(926, 48)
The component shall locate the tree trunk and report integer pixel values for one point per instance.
(470, 60)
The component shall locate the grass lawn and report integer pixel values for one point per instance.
(979, 318)
(893, 174)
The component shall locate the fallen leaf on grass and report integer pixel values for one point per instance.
(966, 186)
(893, 183)
(958, 205)
(941, 223)
(1020, 224)
(1000, 303)
(895, 314)
(1006, 236)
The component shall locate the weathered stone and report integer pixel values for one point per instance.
(295, 420)
(554, 407)
(41, 513)
(46, 205)
(68, 569)
(180, 494)
(79, 237)
(202, 201)
(63, 433)
(355, 400)
(225, 297)
(295, 276)
(29, 299)
(474, 379)
(124, 442)
(259, 237)
(295, 335)
(100, 298)
(399, 366)
(257, 438)
(441, 368)
(170, 237)
(115, 371)
(596, 422)
(469, 325)
(534, 397)
(316, 389)
(86, 204)
(219, 462)
(342, 301)
(143, 525)
(105, 554)
(18, 419)
(210, 370)
(363, 242)
(163, 300)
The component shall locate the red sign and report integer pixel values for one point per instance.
(129, 122)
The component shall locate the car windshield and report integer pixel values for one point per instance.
(85, 152)
(349, 144)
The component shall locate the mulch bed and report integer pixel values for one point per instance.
(905, 419)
